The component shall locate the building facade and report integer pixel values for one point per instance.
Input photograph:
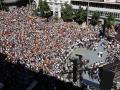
(55, 5)
(104, 7)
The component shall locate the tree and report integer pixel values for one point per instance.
(80, 16)
(3, 6)
(44, 9)
(95, 18)
(110, 21)
(67, 12)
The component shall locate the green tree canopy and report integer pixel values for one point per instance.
(67, 12)
(44, 9)
(80, 16)
(110, 21)
(95, 18)
(44, 5)
(3, 6)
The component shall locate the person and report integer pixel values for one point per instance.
(100, 54)
(30, 39)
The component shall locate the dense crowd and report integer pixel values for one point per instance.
(39, 44)
(113, 49)
(32, 41)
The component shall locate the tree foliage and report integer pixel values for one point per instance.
(95, 18)
(110, 21)
(67, 12)
(44, 9)
(3, 6)
(80, 16)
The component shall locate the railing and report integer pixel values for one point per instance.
(103, 11)
(105, 14)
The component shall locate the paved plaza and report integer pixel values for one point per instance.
(91, 55)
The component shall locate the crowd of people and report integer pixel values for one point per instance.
(32, 41)
(113, 49)
(39, 44)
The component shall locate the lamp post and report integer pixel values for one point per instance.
(30, 4)
(1, 4)
(87, 12)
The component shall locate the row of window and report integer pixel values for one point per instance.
(116, 15)
(95, 4)
(55, 1)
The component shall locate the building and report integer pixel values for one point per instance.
(10, 1)
(55, 5)
(12, 4)
(104, 7)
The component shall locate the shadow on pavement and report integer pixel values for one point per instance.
(18, 77)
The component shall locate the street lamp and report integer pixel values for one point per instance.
(30, 4)
(87, 11)
(1, 4)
